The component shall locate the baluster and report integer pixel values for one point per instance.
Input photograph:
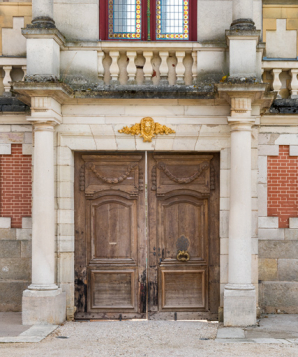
(148, 69)
(100, 67)
(194, 67)
(262, 75)
(276, 84)
(131, 67)
(163, 69)
(24, 69)
(180, 68)
(294, 83)
(7, 79)
(114, 68)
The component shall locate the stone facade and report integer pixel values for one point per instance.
(15, 214)
(217, 94)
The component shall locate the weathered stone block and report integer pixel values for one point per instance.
(10, 249)
(24, 234)
(281, 296)
(291, 234)
(27, 222)
(239, 307)
(267, 269)
(288, 269)
(278, 249)
(26, 249)
(7, 234)
(15, 268)
(43, 307)
(11, 295)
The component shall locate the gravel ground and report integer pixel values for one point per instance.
(141, 338)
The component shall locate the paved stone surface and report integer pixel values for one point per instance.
(275, 326)
(34, 334)
(145, 338)
(230, 332)
(11, 324)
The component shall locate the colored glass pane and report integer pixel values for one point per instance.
(172, 19)
(124, 19)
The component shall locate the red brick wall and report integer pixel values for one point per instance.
(15, 185)
(282, 174)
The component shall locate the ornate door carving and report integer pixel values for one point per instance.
(183, 273)
(110, 236)
(179, 238)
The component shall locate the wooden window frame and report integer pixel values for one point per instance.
(104, 17)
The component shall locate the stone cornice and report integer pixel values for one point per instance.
(44, 33)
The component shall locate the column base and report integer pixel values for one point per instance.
(43, 307)
(239, 305)
(243, 24)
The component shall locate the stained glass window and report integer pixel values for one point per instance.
(124, 19)
(172, 19)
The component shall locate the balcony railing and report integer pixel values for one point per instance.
(14, 69)
(158, 64)
(282, 75)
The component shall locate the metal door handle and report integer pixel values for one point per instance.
(183, 256)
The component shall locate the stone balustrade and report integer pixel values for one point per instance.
(147, 65)
(14, 69)
(282, 75)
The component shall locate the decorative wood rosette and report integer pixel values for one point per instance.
(147, 129)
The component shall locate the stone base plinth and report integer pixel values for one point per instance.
(43, 307)
(239, 305)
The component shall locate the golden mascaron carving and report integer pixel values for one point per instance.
(147, 129)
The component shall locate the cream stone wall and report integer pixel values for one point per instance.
(77, 19)
(218, 15)
(12, 14)
(281, 42)
(199, 127)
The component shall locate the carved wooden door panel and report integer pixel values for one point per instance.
(179, 237)
(110, 242)
(183, 272)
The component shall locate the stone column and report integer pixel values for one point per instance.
(243, 15)
(43, 215)
(239, 293)
(43, 301)
(43, 13)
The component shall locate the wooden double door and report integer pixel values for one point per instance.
(146, 235)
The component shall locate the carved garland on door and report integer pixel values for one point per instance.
(113, 180)
(82, 178)
(162, 167)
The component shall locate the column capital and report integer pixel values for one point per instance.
(45, 110)
(48, 125)
(241, 123)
